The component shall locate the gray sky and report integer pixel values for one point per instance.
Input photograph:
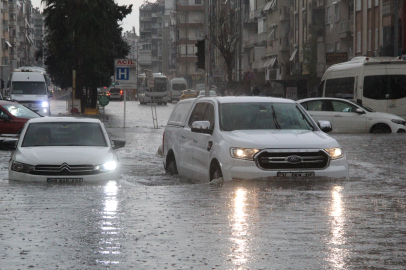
(128, 23)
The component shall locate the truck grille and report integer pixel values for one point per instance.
(65, 169)
(288, 159)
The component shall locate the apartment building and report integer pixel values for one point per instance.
(189, 16)
(150, 51)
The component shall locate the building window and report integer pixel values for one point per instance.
(369, 40)
(376, 3)
(337, 13)
(358, 42)
(358, 5)
(369, 3)
(198, 2)
(328, 15)
(304, 26)
(376, 38)
(337, 46)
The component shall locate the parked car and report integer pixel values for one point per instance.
(13, 117)
(64, 149)
(212, 93)
(247, 138)
(116, 93)
(188, 94)
(347, 116)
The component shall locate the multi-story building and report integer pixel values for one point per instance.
(150, 53)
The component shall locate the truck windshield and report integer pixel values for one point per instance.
(250, 116)
(160, 85)
(28, 88)
(178, 86)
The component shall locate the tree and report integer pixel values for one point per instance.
(83, 35)
(224, 33)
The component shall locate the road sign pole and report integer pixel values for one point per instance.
(125, 97)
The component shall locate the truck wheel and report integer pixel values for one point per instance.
(171, 169)
(380, 129)
(215, 172)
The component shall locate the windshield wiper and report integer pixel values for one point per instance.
(305, 118)
(275, 120)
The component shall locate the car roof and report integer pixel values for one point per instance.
(324, 98)
(63, 119)
(247, 99)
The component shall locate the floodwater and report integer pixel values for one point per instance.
(149, 220)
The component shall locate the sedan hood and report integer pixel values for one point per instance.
(72, 155)
(280, 139)
(382, 115)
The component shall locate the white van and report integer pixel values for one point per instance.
(29, 89)
(176, 86)
(377, 82)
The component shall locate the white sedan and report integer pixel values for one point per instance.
(64, 149)
(349, 117)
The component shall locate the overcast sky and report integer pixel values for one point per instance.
(131, 19)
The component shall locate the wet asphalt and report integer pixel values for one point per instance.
(148, 220)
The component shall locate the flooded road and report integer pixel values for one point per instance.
(148, 220)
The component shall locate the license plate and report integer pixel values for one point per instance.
(295, 174)
(65, 180)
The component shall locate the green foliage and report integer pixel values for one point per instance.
(310, 55)
(83, 35)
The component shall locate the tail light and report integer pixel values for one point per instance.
(121, 92)
(109, 94)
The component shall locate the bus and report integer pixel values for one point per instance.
(158, 94)
(377, 82)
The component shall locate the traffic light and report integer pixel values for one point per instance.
(200, 54)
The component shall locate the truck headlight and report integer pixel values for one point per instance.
(45, 104)
(399, 121)
(21, 167)
(243, 153)
(335, 153)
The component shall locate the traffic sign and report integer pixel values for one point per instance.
(125, 73)
(249, 75)
(104, 100)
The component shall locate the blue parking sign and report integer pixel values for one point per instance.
(122, 73)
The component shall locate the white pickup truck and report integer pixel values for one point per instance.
(230, 138)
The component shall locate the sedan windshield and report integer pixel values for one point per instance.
(249, 116)
(28, 88)
(20, 111)
(64, 134)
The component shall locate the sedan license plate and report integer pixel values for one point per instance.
(295, 174)
(65, 180)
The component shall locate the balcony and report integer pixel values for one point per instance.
(183, 5)
(145, 29)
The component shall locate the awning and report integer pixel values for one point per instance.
(267, 63)
(8, 44)
(269, 5)
(293, 55)
(270, 34)
(270, 63)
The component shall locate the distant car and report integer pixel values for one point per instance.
(347, 116)
(13, 117)
(188, 94)
(116, 93)
(212, 93)
(64, 149)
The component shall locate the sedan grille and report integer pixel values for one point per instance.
(288, 159)
(65, 169)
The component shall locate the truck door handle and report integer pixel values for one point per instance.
(183, 137)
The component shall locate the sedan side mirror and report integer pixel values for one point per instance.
(10, 145)
(117, 144)
(360, 111)
(4, 117)
(202, 127)
(325, 126)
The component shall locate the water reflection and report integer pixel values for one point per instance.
(239, 229)
(337, 254)
(108, 244)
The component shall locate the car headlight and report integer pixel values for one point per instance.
(243, 153)
(107, 167)
(399, 121)
(21, 167)
(335, 153)
(44, 104)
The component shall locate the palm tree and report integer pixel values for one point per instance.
(83, 35)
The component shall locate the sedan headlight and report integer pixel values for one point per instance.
(399, 121)
(243, 153)
(107, 167)
(45, 104)
(335, 153)
(21, 167)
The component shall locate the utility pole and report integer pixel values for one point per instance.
(207, 47)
